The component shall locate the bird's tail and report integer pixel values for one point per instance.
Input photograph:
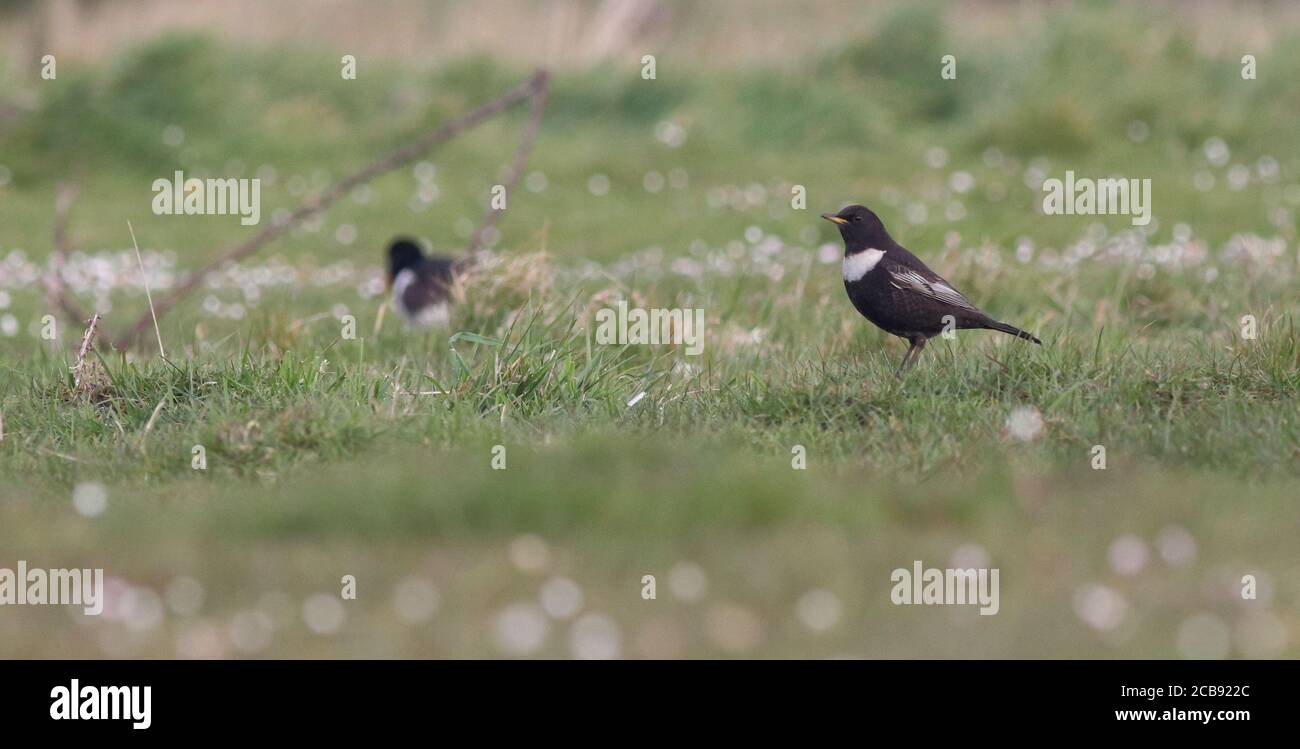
(1011, 329)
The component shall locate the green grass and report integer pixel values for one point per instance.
(1210, 403)
(372, 457)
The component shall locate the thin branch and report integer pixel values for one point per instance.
(11, 112)
(64, 197)
(56, 294)
(318, 203)
(527, 138)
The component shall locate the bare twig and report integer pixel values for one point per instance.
(64, 197)
(56, 294)
(527, 138)
(320, 202)
(11, 112)
(87, 341)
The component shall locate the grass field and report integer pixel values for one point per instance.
(373, 457)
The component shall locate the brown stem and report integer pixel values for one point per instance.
(56, 294)
(527, 138)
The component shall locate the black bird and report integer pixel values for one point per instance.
(893, 289)
(421, 284)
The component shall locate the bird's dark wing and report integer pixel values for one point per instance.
(431, 285)
(422, 292)
(441, 269)
(926, 284)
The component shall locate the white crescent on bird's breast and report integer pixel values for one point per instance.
(859, 264)
(401, 282)
(434, 314)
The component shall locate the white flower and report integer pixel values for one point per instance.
(1025, 424)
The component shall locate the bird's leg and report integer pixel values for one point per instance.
(917, 345)
(909, 359)
(903, 364)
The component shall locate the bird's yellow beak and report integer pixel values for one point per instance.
(834, 219)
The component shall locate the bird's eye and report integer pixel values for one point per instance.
(857, 219)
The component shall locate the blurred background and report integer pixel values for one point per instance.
(370, 458)
(570, 33)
